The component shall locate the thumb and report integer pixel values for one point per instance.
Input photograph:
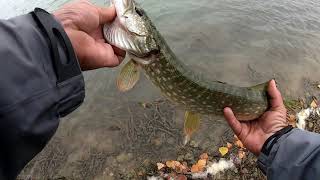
(106, 14)
(232, 121)
(275, 95)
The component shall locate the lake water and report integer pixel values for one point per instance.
(242, 42)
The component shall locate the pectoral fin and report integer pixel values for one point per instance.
(191, 124)
(128, 77)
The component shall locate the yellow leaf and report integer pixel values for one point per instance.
(223, 151)
(314, 104)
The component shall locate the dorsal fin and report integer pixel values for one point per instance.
(260, 87)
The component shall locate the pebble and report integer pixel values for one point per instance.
(171, 140)
(245, 171)
(123, 157)
(180, 158)
(157, 142)
(189, 157)
(194, 144)
(310, 124)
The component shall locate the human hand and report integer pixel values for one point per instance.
(254, 133)
(83, 24)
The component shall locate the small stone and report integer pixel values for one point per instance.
(245, 171)
(180, 158)
(157, 142)
(194, 144)
(123, 157)
(310, 124)
(189, 157)
(235, 170)
(171, 140)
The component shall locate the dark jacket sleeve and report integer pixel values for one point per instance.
(296, 155)
(31, 100)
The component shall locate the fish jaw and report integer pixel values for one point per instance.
(129, 31)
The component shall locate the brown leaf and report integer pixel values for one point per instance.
(292, 120)
(202, 163)
(229, 145)
(236, 137)
(314, 104)
(199, 166)
(204, 156)
(195, 169)
(241, 154)
(170, 164)
(181, 177)
(160, 166)
(239, 144)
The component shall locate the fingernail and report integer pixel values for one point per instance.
(275, 82)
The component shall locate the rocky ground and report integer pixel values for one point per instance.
(154, 150)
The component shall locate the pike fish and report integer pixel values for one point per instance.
(134, 32)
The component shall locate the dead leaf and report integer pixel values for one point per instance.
(204, 156)
(314, 104)
(239, 144)
(241, 154)
(236, 137)
(292, 120)
(199, 166)
(181, 177)
(202, 163)
(223, 151)
(195, 169)
(170, 164)
(229, 145)
(180, 168)
(160, 166)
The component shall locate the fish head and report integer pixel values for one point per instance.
(131, 31)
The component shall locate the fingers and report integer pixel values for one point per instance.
(119, 52)
(275, 95)
(232, 121)
(106, 56)
(99, 55)
(106, 14)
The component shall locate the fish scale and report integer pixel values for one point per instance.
(196, 94)
(136, 34)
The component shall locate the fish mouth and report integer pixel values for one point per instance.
(117, 35)
(129, 31)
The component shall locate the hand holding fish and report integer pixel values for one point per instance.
(83, 22)
(254, 133)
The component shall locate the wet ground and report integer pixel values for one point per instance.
(117, 136)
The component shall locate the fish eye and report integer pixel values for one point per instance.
(139, 12)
